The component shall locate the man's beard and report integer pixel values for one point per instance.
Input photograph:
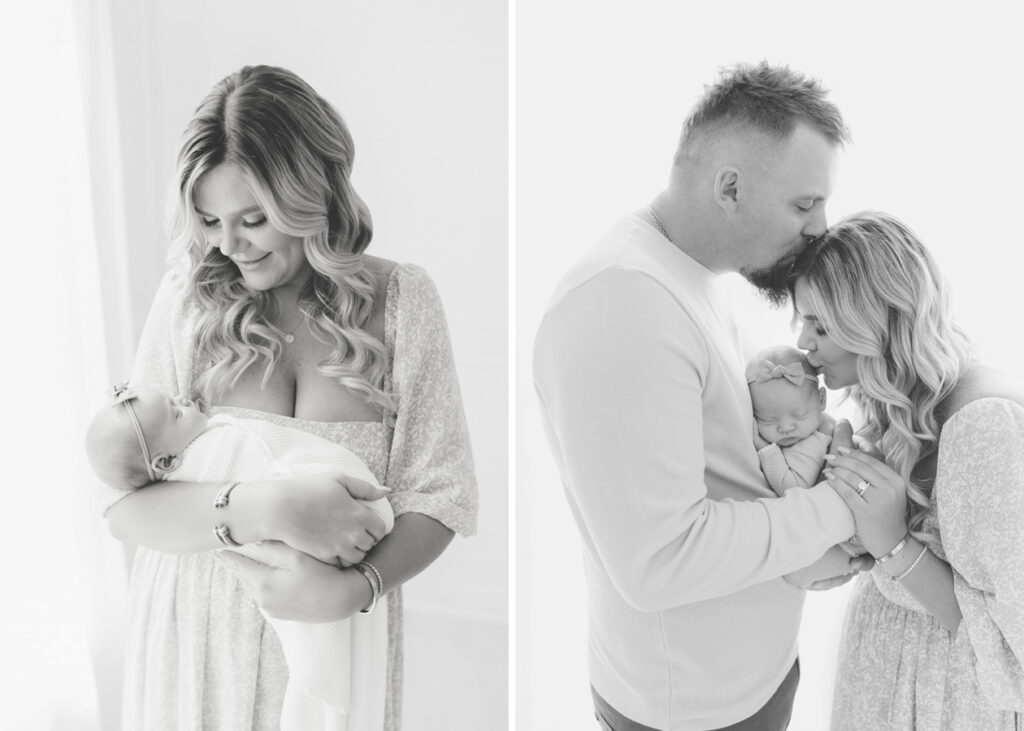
(773, 282)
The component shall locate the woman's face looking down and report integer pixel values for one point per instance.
(234, 222)
(837, 365)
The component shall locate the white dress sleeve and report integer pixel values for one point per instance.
(980, 502)
(430, 469)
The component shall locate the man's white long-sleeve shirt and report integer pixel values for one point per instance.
(639, 371)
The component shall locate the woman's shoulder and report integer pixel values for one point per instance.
(983, 387)
(400, 284)
(391, 275)
(381, 268)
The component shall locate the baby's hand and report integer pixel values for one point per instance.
(828, 424)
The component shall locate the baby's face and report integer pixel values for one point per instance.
(170, 423)
(786, 413)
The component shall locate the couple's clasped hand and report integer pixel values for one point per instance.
(877, 497)
(318, 524)
(875, 493)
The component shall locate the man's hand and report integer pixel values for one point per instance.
(833, 569)
(842, 436)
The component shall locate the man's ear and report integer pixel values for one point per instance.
(164, 463)
(727, 188)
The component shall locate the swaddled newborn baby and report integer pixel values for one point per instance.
(145, 436)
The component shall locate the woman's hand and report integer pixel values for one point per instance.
(289, 584)
(321, 515)
(876, 494)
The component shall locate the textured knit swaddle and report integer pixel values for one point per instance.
(336, 669)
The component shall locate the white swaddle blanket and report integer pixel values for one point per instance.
(331, 663)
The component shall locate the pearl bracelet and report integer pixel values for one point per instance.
(912, 566)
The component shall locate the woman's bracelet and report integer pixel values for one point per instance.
(223, 534)
(912, 566)
(223, 496)
(220, 530)
(895, 549)
(371, 574)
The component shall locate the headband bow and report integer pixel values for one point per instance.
(123, 394)
(768, 371)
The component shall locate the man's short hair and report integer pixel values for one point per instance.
(769, 99)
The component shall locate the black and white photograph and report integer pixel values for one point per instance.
(694, 549)
(264, 478)
(512, 365)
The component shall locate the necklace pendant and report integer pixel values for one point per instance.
(289, 338)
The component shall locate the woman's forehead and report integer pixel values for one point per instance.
(801, 301)
(225, 188)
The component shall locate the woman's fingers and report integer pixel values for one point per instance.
(843, 488)
(377, 529)
(851, 479)
(351, 556)
(249, 572)
(870, 462)
(854, 469)
(361, 489)
(271, 553)
(369, 522)
(367, 543)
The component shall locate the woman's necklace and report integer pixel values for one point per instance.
(289, 337)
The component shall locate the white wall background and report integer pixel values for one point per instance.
(601, 90)
(423, 88)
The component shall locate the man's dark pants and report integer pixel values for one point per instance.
(773, 716)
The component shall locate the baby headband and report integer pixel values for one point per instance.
(124, 395)
(768, 371)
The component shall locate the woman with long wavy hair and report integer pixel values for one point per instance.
(272, 310)
(934, 635)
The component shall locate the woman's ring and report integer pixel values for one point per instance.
(862, 487)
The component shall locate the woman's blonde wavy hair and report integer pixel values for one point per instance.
(297, 154)
(878, 293)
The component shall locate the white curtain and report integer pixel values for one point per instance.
(64, 577)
